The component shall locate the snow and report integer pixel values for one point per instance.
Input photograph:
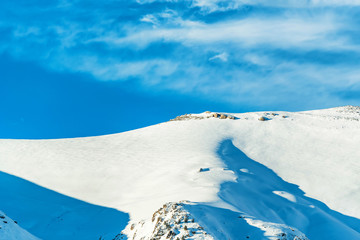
(10, 230)
(182, 220)
(171, 220)
(252, 168)
(286, 195)
(50, 215)
(226, 224)
(244, 170)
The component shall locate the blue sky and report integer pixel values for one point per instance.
(81, 67)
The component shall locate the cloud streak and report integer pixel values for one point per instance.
(316, 33)
(226, 5)
(273, 54)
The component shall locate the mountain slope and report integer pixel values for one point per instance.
(182, 221)
(247, 166)
(9, 230)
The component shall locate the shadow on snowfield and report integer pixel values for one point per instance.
(51, 215)
(261, 193)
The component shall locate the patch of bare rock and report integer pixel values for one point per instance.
(205, 115)
(171, 222)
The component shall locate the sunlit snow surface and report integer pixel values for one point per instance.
(280, 171)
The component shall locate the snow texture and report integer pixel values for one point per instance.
(171, 221)
(292, 171)
(10, 230)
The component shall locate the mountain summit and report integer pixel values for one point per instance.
(259, 175)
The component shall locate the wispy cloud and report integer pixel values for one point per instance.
(222, 56)
(226, 5)
(314, 33)
(276, 52)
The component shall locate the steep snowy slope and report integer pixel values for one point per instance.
(181, 221)
(248, 168)
(9, 230)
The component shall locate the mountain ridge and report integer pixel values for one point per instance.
(224, 163)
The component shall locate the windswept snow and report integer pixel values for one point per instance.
(252, 168)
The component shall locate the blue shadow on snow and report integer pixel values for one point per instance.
(252, 193)
(52, 216)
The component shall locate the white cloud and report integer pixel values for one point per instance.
(224, 5)
(113, 69)
(172, 52)
(168, 18)
(282, 32)
(150, 18)
(257, 59)
(222, 56)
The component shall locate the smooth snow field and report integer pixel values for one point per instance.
(295, 173)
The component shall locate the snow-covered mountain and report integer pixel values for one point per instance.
(261, 175)
(10, 230)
